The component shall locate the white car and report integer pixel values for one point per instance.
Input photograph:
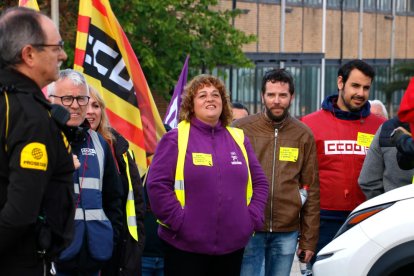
(376, 239)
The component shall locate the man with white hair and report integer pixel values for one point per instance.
(378, 108)
(98, 190)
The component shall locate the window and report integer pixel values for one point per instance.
(333, 4)
(401, 6)
(351, 4)
(369, 5)
(313, 2)
(384, 5)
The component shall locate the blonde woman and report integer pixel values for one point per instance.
(126, 259)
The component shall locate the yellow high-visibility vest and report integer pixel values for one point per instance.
(130, 204)
(183, 135)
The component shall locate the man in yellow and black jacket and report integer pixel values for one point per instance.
(36, 166)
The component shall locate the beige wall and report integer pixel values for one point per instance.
(303, 31)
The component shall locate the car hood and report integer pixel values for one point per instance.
(398, 194)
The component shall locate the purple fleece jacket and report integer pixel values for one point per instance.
(216, 219)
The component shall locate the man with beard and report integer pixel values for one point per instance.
(343, 130)
(287, 152)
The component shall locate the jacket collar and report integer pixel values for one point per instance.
(330, 104)
(206, 127)
(77, 134)
(121, 145)
(12, 79)
(275, 125)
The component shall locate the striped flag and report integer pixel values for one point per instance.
(105, 56)
(172, 115)
(29, 4)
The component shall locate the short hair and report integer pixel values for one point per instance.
(198, 82)
(345, 70)
(104, 127)
(278, 75)
(76, 77)
(238, 105)
(380, 104)
(19, 27)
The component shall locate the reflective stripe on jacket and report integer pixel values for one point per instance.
(90, 218)
(130, 204)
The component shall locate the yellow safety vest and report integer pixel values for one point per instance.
(130, 204)
(183, 134)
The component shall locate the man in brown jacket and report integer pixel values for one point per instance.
(287, 152)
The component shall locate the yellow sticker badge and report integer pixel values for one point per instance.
(202, 159)
(288, 154)
(364, 139)
(34, 156)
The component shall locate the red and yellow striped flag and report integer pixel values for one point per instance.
(104, 54)
(29, 4)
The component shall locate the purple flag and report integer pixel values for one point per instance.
(171, 117)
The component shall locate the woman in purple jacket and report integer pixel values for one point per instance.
(207, 222)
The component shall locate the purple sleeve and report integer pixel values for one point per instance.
(160, 182)
(260, 188)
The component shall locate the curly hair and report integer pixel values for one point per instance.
(104, 128)
(190, 90)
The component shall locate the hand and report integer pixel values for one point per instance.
(304, 255)
(403, 130)
(397, 134)
(76, 162)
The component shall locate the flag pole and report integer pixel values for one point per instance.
(54, 12)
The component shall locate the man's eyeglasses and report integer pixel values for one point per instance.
(59, 45)
(68, 100)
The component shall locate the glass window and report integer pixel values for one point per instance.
(331, 74)
(306, 79)
(244, 89)
(333, 4)
(351, 4)
(369, 5)
(401, 6)
(384, 5)
(313, 2)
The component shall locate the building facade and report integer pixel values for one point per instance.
(312, 38)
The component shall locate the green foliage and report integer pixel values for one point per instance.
(163, 32)
(402, 73)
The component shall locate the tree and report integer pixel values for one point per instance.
(163, 32)
(402, 73)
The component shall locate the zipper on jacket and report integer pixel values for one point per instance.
(273, 180)
(220, 192)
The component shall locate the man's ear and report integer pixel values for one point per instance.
(28, 55)
(340, 83)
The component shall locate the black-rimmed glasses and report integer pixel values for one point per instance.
(68, 100)
(59, 45)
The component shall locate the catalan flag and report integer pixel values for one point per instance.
(29, 4)
(105, 56)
